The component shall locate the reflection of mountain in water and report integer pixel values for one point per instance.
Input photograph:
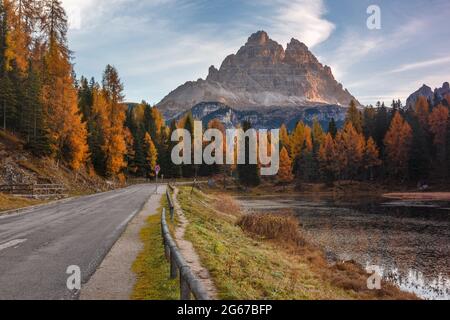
(410, 241)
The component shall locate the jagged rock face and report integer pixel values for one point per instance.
(262, 75)
(429, 94)
(269, 118)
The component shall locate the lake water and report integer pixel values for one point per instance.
(408, 241)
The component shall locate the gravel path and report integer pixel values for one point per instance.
(188, 252)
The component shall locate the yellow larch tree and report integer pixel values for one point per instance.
(398, 142)
(285, 171)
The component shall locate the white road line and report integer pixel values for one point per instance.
(11, 243)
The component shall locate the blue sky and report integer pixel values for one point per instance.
(158, 45)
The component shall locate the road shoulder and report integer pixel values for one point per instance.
(114, 278)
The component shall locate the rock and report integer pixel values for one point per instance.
(429, 94)
(262, 75)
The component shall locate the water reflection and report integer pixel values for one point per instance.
(409, 240)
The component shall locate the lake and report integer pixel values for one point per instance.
(409, 241)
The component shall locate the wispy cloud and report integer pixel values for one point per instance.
(302, 19)
(421, 64)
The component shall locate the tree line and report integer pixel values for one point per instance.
(388, 144)
(86, 123)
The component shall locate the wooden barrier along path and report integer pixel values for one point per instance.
(189, 284)
(34, 190)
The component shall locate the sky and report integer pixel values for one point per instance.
(157, 45)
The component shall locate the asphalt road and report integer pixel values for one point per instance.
(38, 245)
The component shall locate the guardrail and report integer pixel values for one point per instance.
(189, 284)
(170, 202)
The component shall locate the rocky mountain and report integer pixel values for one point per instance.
(267, 119)
(427, 92)
(263, 77)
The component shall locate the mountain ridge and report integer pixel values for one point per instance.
(262, 75)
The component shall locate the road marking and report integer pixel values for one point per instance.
(11, 243)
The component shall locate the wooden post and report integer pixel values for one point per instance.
(173, 266)
(185, 291)
(167, 251)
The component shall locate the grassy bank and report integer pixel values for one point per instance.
(151, 267)
(9, 202)
(245, 265)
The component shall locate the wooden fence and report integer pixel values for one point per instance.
(189, 283)
(34, 190)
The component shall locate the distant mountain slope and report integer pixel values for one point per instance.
(262, 75)
(268, 118)
(427, 92)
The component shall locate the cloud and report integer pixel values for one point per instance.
(421, 64)
(302, 19)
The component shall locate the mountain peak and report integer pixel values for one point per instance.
(259, 37)
(262, 74)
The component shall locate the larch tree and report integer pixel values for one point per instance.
(398, 145)
(350, 146)
(354, 117)
(151, 155)
(438, 124)
(285, 171)
(317, 132)
(371, 156)
(68, 133)
(113, 130)
(284, 138)
(422, 110)
(328, 158)
(297, 140)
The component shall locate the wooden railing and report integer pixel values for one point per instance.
(189, 284)
(34, 190)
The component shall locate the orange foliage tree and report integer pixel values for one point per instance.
(327, 158)
(350, 150)
(438, 123)
(422, 110)
(285, 171)
(398, 142)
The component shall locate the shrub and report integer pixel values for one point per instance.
(284, 228)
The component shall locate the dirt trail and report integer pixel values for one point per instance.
(188, 251)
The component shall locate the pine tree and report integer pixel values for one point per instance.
(398, 142)
(382, 122)
(332, 128)
(354, 117)
(285, 171)
(8, 102)
(190, 170)
(248, 173)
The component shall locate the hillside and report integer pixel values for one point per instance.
(18, 166)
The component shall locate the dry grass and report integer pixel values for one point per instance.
(9, 202)
(249, 260)
(285, 229)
